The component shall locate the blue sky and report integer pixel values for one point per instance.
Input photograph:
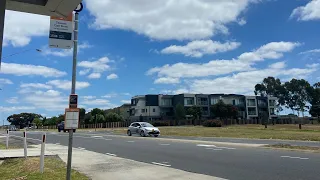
(136, 47)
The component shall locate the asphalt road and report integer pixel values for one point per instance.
(230, 162)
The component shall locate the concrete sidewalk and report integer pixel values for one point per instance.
(100, 167)
(19, 153)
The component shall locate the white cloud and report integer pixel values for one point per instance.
(314, 65)
(126, 94)
(242, 22)
(64, 52)
(273, 50)
(15, 108)
(167, 80)
(35, 85)
(112, 76)
(12, 100)
(244, 82)
(311, 51)
(84, 72)
(66, 85)
(125, 101)
(167, 19)
(97, 66)
(202, 47)
(21, 27)
(50, 100)
(5, 81)
(308, 12)
(244, 62)
(94, 76)
(88, 97)
(95, 102)
(110, 95)
(278, 65)
(30, 70)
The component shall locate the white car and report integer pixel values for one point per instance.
(143, 128)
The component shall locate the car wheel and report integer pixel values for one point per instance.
(74, 130)
(64, 131)
(59, 130)
(129, 133)
(142, 134)
(156, 135)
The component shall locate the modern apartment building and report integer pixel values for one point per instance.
(158, 107)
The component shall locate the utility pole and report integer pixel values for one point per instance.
(73, 85)
(2, 17)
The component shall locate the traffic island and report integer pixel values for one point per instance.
(21, 168)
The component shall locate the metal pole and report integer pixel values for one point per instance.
(42, 152)
(25, 143)
(73, 89)
(95, 126)
(2, 17)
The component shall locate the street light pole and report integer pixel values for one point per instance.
(2, 17)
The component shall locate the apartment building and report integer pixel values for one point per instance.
(157, 107)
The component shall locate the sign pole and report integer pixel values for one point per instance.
(2, 17)
(25, 143)
(73, 89)
(42, 152)
(7, 139)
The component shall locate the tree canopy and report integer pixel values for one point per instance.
(23, 119)
(223, 110)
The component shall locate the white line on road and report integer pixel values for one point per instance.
(294, 157)
(225, 148)
(164, 144)
(108, 139)
(97, 136)
(130, 141)
(81, 148)
(57, 143)
(217, 149)
(160, 164)
(206, 145)
(111, 154)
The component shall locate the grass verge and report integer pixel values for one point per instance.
(288, 146)
(284, 132)
(3, 146)
(29, 169)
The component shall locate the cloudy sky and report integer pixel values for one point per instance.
(137, 47)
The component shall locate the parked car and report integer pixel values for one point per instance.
(61, 127)
(143, 128)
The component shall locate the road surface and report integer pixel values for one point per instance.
(229, 162)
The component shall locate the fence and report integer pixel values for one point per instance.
(98, 125)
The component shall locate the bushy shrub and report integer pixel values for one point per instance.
(212, 123)
(160, 124)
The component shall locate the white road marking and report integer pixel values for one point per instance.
(108, 139)
(130, 141)
(225, 148)
(164, 144)
(206, 145)
(111, 154)
(217, 149)
(160, 164)
(165, 162)
(57, 143)
(209, 148)
(81, 148)
(97, 136)
(291, 157)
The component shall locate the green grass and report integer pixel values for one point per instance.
(288, 146)
(29, 169)
(285, 132)
(3, 146)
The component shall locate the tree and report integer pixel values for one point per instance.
(232, 111)
(219, 110)
(37, 122)
(82, 114)
(179, 113)
(113, 117)
(87, 118)
(23, 119)
(271, 86)
(315, 101)
(195, 112)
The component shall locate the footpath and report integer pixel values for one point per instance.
(101, 166)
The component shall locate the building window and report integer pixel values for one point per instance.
(251, 102)
(154, 110)
(143, 110)
(189, 101)
(262, 102)
(272, 111)
(202, 101)
(214, 101)
(166, 102)
(252, 111)
(272, 102)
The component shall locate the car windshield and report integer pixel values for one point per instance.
(146, 125)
